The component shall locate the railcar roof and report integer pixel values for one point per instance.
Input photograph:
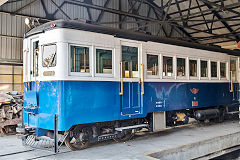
(120, 33)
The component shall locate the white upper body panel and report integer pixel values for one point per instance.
(64, 38)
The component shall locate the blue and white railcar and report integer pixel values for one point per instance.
(103, 83)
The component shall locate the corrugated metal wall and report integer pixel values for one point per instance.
(12, 28)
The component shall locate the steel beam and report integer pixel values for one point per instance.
(114, 11)
(223, 21)
(164, 18)
(129, 11)
(148, 14)
(102, 12)
(45, 10)
(179, 11)
(203, 16)
(24, 7)
(25, 16)
(222, 7)
(178, 23)
(60, 9)
(120, 16)
(217, 20)
(174, 24)
(208, 10)
(55, 12)
(222, 41)
(13, 37)
(188, 13)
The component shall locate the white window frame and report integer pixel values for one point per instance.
(173, 73)
(31, 56)
(138, 45)
(200, 74)
(81, 74)
(182, 77)
(95, 63)
(193, 77)
(214, 78)
(42, 52)
(153, 76)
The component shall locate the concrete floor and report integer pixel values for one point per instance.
(138, 148)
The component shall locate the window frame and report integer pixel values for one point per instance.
(173, 68)
(31, 61)
(42, 47)
(131, 43)
(200, 74)
(159, 63)
(13, 74)
(193, 77)
(95, 63)
(237, 68)
(226, 69)
(214, 78)
(81, 74)
(181, 77)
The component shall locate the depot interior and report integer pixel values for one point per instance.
(213, 23)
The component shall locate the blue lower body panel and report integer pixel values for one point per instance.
(80, 102)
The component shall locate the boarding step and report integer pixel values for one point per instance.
(234, 112)
(132, 127)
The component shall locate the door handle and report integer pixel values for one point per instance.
(36, 64)
(142, 93)
(231, 83)
(121, 83)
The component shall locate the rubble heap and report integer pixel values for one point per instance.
(11, 106)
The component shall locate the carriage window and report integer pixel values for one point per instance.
(233, 69)
(204, 69)
(180, 67)
(167, 66)
(193, 68)
(79, 59)
(130, 61)
(49, 55)
(152, 64)
(213, 69)
(223, 69)
(35, 51)
(104, 61)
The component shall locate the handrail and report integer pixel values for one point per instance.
(35, 64)
(121, 69)
(25, 66)
(142, 93)
(231, 85)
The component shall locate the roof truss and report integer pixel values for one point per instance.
(201, 21)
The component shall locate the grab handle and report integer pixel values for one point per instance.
(231, 85)
(121, 70)
(142, 93)
(25, 66)
(35, 64)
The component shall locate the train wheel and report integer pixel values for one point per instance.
(127, 136)
(74, 143)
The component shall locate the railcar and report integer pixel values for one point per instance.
(104, 83)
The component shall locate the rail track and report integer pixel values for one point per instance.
(30, 154)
